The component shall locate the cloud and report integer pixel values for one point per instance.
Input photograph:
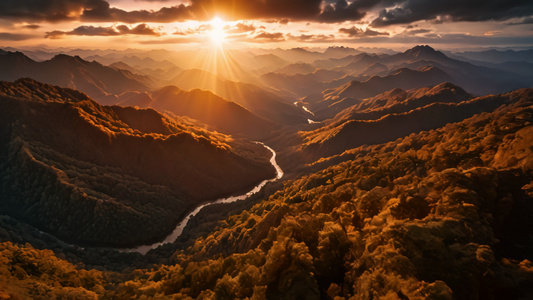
(141, 29)
(52, 11)
(269, 37)
(528, 20)
(207, 9)
(32, 26)
(196, 30)
(5, 36)
(328, 11)
(312, 38)
(102, 11)
(417, 31)
(240, 28)
(342, 11)
(357, 32)
(408, 11)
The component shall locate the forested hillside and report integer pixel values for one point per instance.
(442, 214)
(103, 175)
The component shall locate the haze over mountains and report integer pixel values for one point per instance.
(204, 106)
(92, 78)
(407, 174)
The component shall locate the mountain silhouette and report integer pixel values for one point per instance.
(98, 81)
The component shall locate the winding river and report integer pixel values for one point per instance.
(143, 249)
(307, 110)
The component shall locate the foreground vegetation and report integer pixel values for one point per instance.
(440, 214)
(109, 175)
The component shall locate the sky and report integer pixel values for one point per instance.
(175, 24)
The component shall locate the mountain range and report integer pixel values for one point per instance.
(111, 175)
(222, 115)
(383, 174)
(98, 81)
(257, 100)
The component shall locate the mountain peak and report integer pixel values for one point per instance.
(424, 51)
(17, 55)
(170, 89)
(67, 58)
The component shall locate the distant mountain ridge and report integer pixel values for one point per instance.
(479, 79)
(252, 97)
(385, 117)
(223, 115)
(356, 132)
(98, 81)
(329, 102)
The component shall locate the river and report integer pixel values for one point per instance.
(307, 110)
(143, 249)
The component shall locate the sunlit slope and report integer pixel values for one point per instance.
(387, 117)
(354, 132)
(222, 115)
(110, 175)
(353, 91)
(255, 99)
(439, 214)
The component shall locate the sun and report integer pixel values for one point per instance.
(217, 33)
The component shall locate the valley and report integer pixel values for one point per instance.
(297, 173)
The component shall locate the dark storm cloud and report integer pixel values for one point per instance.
(105, 13)
(52, 11)
(392, 11)
(141, 29)
(207, 9)
(341, 10)
(356, 32)
(408, 11)
(101, 11)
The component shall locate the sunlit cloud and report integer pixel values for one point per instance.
(358, 32)
(269, 37)
(141, 29)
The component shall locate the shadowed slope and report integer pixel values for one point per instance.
(110, 175)
(98, 81)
